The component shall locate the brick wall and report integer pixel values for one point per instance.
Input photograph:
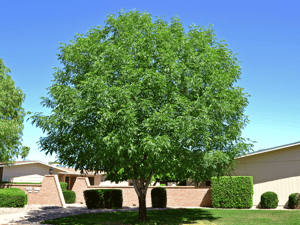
(47, 193)
(81, 184)
(181, 196)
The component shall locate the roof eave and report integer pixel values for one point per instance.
(37, 161)
(270, 150)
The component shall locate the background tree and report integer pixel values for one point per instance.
(25, 152)
(137, 98)
(11, 117)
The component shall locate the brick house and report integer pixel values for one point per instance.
(34, 171)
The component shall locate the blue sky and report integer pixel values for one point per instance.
(265, 34)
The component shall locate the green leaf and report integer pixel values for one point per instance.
(148, 96)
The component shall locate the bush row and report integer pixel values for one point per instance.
(101, 198)
(226, 192)
(113, 198)
(237, 192)
(269, 200)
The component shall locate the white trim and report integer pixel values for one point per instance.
(32, 162)
(62, 199)
(87, 175)
(78, 174)
(256, 153)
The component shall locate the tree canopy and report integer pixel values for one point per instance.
(11, 117)
(139, 98)
(25, 152)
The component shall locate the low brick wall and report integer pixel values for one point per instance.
(47, 193)
(180, 196)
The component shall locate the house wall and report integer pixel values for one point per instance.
(61, 177)
(72, 181)
(127, 182)
(1, 173)
(72, 178)
(277, 171)
(47, 193)
(171, 184)
(183, 196)
(97, 179)
(26, 173)
(109, 183)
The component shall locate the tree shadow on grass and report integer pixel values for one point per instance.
(168, 216)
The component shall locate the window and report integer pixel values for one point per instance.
(67, 181)
(91, 179)
(208, 183)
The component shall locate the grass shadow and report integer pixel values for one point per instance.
(167, 216)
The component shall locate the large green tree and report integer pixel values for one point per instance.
(139, 97)
(11, 117)
(25, 152)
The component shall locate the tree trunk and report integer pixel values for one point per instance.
(142, 208)
(141, 186)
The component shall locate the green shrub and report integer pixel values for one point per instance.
(269, 200)
(159, 197)
(103, 198)
(232, 192)
(70, 196)
(294, 200)
(162, 185)
(93, 199)
(63, 186)
(116, 199)
(13, 197)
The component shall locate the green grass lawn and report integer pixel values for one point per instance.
(186, 216)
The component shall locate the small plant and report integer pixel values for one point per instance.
(269, 200)
(70, 196)
(11, 197)
(294, 200)
(64, 186)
